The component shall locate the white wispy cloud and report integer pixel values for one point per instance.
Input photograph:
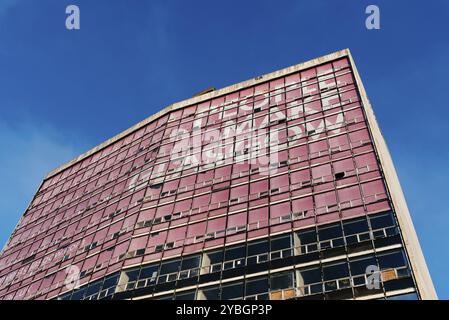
(27, 152)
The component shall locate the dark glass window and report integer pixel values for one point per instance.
(78, 294)
(215, 257)
(281, 242)
(257, 286)
(335, 271)
(132, 275)
(93, 288)
(110, 282)
(258, 248)
(233, 291)
(392, 260)
(359, 266)
(309, 276)
(329, 232)
(149, 271)
(185, 296)
(355, 226)
(170, 267)
(307, 237)
(281, 281)
(190, 263)
(382, 221)
(212, 293)
(235, 253)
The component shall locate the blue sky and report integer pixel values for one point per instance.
(63, 92)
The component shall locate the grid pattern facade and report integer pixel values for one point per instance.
(293, 204)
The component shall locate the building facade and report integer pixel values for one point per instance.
(280, 187)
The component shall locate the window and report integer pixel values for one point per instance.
(234, 291)
(309, 276)
(335, 271)
(335, 276)
(190, 267)
(234, 253)
(93, 288)
(281, 247)
(353, 228)
(331, 232)
(156, 186)
(78, 294)
(309, 281)
(358, 267)
(149, 272)
(382, 221)
(255, 287)
(392, 260)
(210, 294)
(170, 269)
(185, 295)
(128, 278)
(258, 247)
(339, 175)
(110, 281)
(214, 257)
(307, 237)
(282, 281)
(190, 263)
(234, 257)
(281, 242)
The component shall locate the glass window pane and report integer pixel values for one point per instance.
(132, 275)
(235, 253)
(211, 293)
(149, 271)
(185, 296)
(355, 226)
(309, 276)
(359, 266)
(190, 263)
(215, 257)
(392, 260)
(257, 286)
(78, 294)
(111, 281)
(329, 232)
(258, 247)
(279, 243)
(282, 281)
(335, 271)
(232, 292)
(307, 237)
(382, 221)
(170, 267)
(93, 288)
